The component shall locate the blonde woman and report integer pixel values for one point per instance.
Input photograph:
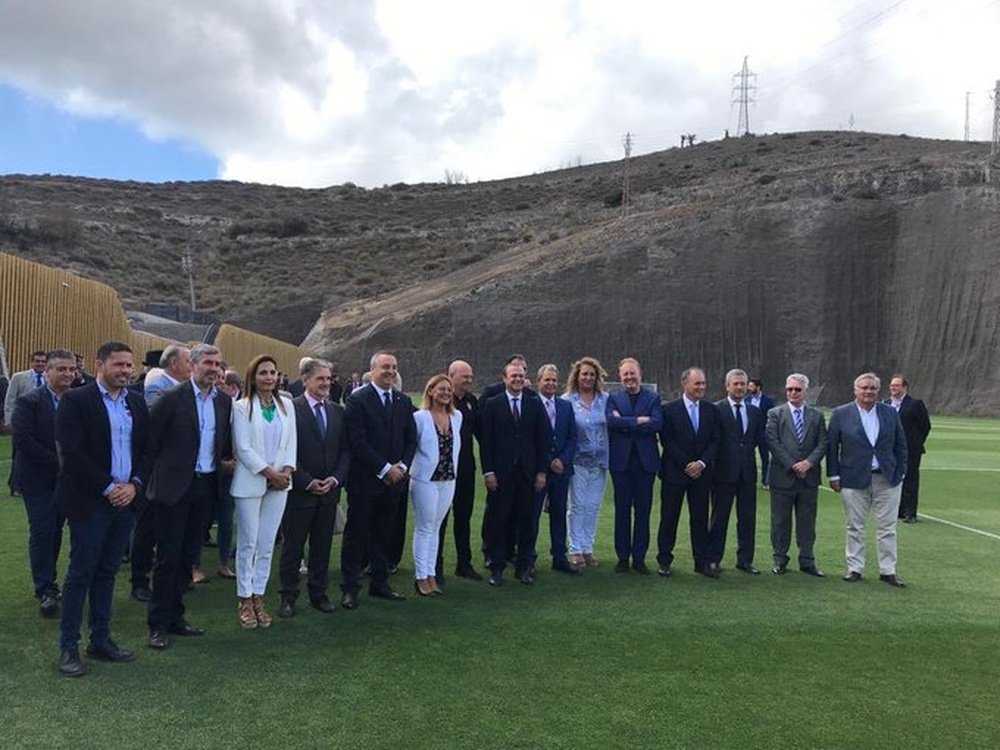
(264, 444)
(585, 391)
(432, 476)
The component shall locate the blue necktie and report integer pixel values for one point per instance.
(694, 416)
(321, 418)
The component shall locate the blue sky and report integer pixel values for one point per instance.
(39, 138)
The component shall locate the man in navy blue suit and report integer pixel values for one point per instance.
(513, 453)
(102, 433)
(735, 474)
(36, 466)
(634, 418)
(562, 448)
(690, 438)
(865, 463)
(756, 397)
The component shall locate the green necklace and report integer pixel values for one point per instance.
(268, 411)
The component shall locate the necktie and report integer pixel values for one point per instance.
(388, 401)
(800, 429)
(694, 416)
(515, 410)
(321, 418)
(550, 407)
(38, 380)
(739, 418)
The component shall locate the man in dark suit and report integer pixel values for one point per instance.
(513, 452)
(461, 376)
(82, 376)
(756, 397)
(634, 417)
(102, 434)
(36, 466)
(735, 474)
(917, 426)
(562, 448)
(382, 438)
(690, 439)
(796, 437)
(320, 471)
(20, 384)
(190, 430)
(865, 463)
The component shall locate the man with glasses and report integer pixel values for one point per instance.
(796, 439)
(865, 462)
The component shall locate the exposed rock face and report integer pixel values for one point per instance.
(826, 269)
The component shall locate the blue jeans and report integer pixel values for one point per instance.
(97, 545)
(45, 525)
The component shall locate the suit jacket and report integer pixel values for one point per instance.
(506, 447)
(319, 457)
(83, 439)
(469, 406)
(916, 424)
(249, 450)
(21, 383)
(785, 449)
(174, 427)
(36, 463)
(736, 458)
(378, 437)
(765, 406)
(427, 456)
(153, 389)
(681, 445)
(624, 432)
(849, 454)
(563, 441)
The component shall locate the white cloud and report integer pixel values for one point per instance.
(316, 92)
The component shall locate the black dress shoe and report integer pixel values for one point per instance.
(159, 639)
(286, 609)
(109, 652)
(142, 594)
(321, 604)
(70, 664)
(852, 576)
(349, 601)
(711, 570)
(812, 570)
(184, 629)
(467, 571)
(779, 570)
(640, 568)
(527, 579)
(386, 593)
(910, 519)
(495, 579)
(663, 571)
(891, 579)
(49, 605)
(622, 566)
(748, 568)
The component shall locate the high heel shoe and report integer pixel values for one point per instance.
(420, 585)
(433, 587)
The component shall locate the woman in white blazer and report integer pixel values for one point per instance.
(432, 476)
(264, 444)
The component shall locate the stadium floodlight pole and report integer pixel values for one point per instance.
(187, 264)
(742, 91)
(967, 95)
(995, 150)
(626, 187)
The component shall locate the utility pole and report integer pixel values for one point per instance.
(995, 150)
(743, 89)
(187, 265)
(626, 187)
(967, 95)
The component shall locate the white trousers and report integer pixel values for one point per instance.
(258, 519)
(431, 501)
(586, 491)
(883, 501)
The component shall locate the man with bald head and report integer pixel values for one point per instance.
(461, 375)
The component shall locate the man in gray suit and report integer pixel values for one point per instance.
(21, 384)
(796, 439)
(865, 462)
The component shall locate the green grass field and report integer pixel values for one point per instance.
(599, 661)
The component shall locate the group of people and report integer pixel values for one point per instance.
(150, 471)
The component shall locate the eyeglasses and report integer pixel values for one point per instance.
(793, 389)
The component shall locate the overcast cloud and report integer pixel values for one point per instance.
(318, 92)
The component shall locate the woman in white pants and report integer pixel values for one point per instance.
(585, 391)
(264, 444)
(432, 476)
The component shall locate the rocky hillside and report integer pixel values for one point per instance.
(828, 253)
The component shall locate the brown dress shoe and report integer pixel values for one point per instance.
(225, 571)
(589, 560)
(263, 618)
(248, 619)
(198, 575)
